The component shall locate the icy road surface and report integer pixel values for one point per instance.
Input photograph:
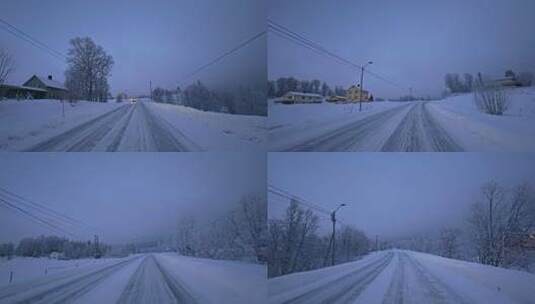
(406, 128)
(405, 277)
(131, 127)
(152, 278)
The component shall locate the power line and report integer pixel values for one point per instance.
(222, 56)
(41, 208)
(288, 34)
(283, 193)
(26, 37)
(41, 214)
(35, 218)
(324, 213)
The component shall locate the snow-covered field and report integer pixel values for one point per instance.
(452, 124)
(39, 125)
(151, 278)
(405, 277)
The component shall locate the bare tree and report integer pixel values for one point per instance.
(490, 97)
(501, 222)
(449, 243)
(88, 70)
(7, 66)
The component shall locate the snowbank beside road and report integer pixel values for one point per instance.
(215, 131)
(477, 131)
(28, 122)
(213, 281)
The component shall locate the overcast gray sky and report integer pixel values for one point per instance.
(394, 194)
(158, 40)
(413, 42)
(127, 195)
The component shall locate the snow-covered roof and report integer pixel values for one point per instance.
(305, 94)
(12, 86)
(51, 83)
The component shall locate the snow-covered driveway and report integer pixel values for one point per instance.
(131, 127)
(404, 277)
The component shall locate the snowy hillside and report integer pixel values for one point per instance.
(478, 131)
(404, 277)
(153, 278)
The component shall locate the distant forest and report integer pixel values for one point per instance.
(283, 85)
(44, 246)
(243, 100)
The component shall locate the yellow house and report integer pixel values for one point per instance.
(353, 94)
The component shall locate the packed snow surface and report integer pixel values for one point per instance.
(397, 276)
(50, 125)
(448, 125)
(147, 278)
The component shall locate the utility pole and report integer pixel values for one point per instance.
(150, 88)
(491, 236)
(362, 83)
(97, 249)
(333, 237)
(376, 243)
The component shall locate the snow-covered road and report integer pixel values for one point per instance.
(409, 127)
(404, 277)
(131, 127)
(153, 284)
(148, 278)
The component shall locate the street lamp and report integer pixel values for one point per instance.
(361, 83)
(333, 237)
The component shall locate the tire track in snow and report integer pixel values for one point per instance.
(120, 135)
(165, 135)
(419, 131)
(82, 136)
(349, 136)
(439, 292)
(346, 288)
(398, 286)
(65, 292)
(150, 284)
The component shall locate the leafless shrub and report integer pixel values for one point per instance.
(490, 98)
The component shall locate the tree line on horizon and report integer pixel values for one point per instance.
(44, 246)
(242, 100)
